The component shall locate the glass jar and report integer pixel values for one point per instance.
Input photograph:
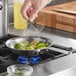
(19, 70)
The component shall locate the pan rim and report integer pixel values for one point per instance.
(51, 43)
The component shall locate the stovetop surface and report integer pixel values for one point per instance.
(7, 57)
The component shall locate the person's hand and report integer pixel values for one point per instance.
(31, 8)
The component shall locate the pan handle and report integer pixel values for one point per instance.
(59, 50)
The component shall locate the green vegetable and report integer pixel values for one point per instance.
(19, 73)
(19, 46)
(30, 45)
(41, 44)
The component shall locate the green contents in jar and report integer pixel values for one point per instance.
(20, 73)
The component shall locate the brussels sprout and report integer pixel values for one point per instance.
(19, 46)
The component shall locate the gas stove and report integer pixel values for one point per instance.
(7, 57)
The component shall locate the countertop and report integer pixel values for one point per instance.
(68, 72)
(54, 19)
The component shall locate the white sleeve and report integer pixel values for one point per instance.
(49, 1)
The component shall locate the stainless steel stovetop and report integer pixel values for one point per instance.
(8, 58)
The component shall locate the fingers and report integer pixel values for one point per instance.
(33, 17)
(29, 12)
(24, 11)
(33, 14)
(25, 15)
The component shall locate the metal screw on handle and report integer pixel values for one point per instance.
(1, 7)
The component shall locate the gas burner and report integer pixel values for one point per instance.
(7, 57)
